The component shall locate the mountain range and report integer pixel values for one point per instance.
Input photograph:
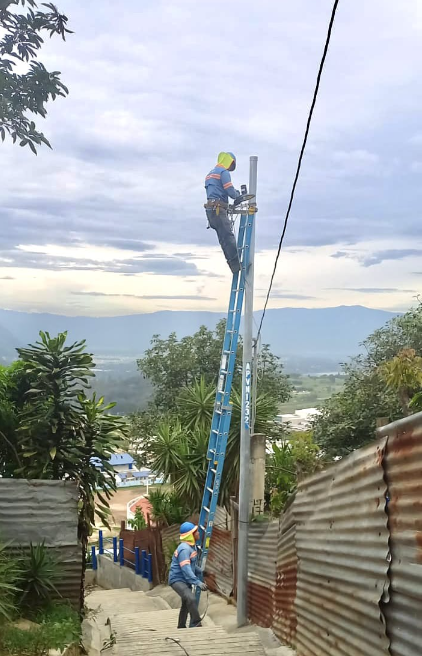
(298, 335)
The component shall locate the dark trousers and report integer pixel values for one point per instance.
(189, 605)
(221, 224)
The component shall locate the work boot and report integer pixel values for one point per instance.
(234, 265)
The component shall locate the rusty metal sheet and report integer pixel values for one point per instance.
(343, 552)
(284, 612)
(260, 604)
(403, 465)
(219, 565)
(262, 552)
(262, 558)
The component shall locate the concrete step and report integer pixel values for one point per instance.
(115, 602)
(163, 619)
(132, 639)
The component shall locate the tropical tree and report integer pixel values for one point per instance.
(291, 460)
(26, 91)
(403, 375)
(177, 447)
(377, 384)
(56, 432)
(171, 364)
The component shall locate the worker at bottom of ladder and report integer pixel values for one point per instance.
(184, 573)
(219, 187)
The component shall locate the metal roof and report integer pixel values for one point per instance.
(121, 459)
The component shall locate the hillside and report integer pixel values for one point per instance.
(298, 335)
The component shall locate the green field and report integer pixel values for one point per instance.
(310, 391)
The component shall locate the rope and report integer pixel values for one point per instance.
(302, 151)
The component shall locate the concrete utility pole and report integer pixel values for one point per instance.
(245, 432)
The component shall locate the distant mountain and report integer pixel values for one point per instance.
(298, 335)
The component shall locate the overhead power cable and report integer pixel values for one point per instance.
(302, 151)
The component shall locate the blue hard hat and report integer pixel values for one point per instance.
(187, 528)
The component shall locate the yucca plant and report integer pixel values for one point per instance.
(10, 574)
(40, 573)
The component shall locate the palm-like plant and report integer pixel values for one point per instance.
(190, 481)
(40, 573)
(10, 573)
(168, 449)
(179, 449)
(196, 404)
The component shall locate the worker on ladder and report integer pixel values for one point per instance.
(219, 187)
(184, 573)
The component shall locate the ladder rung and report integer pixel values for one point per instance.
(210, 490)
(203, 527)
(207, 509)
(232, 311)
(214, 471)
(231, 332)
(214, 430)
(211, 451)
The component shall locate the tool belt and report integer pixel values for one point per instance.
(215, 205)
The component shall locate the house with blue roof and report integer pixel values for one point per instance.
(121, 462)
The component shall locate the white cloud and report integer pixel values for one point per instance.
(159, 89)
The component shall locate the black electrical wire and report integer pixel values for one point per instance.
(302, 151)
(177, 642)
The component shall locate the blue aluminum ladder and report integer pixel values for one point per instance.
(222, 414)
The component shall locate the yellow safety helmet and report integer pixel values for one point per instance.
(227, 160)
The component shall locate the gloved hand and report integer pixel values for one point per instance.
(203, 586)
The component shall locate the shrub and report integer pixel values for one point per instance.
(138, 522)
(39, 574)
(59, 626)
(10, 574)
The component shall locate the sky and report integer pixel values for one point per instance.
(111, 221)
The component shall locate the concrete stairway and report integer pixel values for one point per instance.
(144, 623)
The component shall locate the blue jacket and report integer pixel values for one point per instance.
(218, 183)
(183, 566)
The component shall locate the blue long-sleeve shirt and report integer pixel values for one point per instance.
(219, 186)
(183, 566)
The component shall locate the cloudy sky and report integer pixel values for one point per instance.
(112, 222)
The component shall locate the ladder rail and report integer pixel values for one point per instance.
(220, 425)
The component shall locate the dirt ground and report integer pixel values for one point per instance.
(118, 506)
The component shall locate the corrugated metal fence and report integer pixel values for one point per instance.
(341, 573)
(348, 572)
(262, 555)
(342, 551)
(403, 467)
(37, 511)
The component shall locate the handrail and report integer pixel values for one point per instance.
(143, 560)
